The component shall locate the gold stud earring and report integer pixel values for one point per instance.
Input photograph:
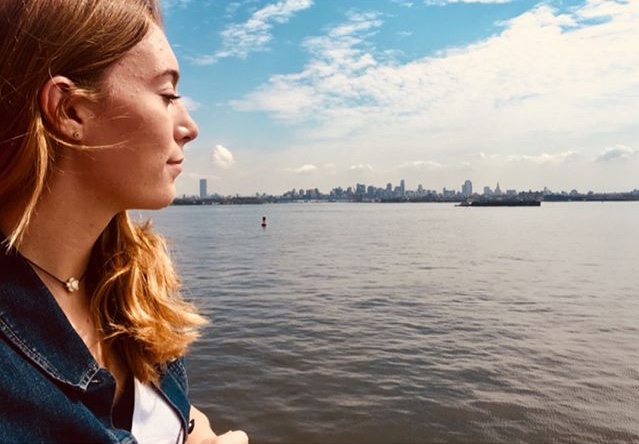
(76, 135)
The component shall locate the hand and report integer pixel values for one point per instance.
(202, 433)
(230, 437)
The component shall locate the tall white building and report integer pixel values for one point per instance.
(467, 188)
(203, 189)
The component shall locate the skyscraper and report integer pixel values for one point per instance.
(203, 189)
(467, 188)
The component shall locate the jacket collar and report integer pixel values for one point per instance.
(33, 322)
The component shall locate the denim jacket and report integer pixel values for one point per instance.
(51, 387)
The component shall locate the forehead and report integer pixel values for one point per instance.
(151, 60)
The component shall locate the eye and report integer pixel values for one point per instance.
(170, 98)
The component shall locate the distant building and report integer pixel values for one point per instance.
(203, 189)
(488, 191)
(448, 193)
(402, 187)
(497, 190)
(467, 188)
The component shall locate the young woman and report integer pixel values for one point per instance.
(92, 326)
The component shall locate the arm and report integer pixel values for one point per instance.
(203, 434)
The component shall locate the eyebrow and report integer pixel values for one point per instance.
(174, 74)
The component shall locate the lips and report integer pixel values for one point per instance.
(175, 166)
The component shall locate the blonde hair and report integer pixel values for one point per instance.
(136, 301)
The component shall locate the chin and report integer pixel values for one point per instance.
(157, 202)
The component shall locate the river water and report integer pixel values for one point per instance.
(414, 323)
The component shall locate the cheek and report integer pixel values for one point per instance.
(151, 131)
(139, 141)
(133, 119)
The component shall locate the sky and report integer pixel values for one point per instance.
(292, 94)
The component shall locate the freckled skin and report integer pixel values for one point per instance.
(136, 131)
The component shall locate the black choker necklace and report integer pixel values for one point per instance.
(72, 284)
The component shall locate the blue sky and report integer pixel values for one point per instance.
(326, 93)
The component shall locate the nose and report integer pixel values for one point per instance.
(187, 129)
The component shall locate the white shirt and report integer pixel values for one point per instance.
(154, 421)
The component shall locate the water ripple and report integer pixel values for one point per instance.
(414, 323)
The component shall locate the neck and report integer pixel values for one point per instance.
(61, 233)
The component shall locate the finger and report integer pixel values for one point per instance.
(233, 437)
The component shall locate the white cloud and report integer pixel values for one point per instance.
(279, 99)
(222, 158)
(595, 9)
(546, 72)
(305, 169)
(253, 35)
(446, 2)
(231, 8)
(530, 106)
(421, 165)
(170, 4)
(190, 104)
(326, 81)
(544, 158)
(405, 3)
(361, 167)
(617, 153)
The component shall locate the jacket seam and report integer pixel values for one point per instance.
(38, 359)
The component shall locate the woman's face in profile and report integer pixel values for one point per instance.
(144, 127)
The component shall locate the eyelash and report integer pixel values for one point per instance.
(171, 97)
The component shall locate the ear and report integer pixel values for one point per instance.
(65, 113)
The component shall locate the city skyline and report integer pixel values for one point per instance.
(390, 190)
(310, 93)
